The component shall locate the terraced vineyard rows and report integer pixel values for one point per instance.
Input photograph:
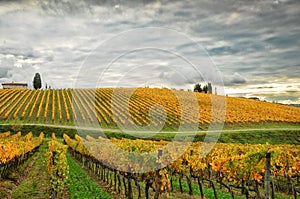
(93, 106)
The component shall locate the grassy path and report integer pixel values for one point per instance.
(81, 185)
(36, 184)
(32, 181)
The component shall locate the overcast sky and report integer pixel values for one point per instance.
(253, 46)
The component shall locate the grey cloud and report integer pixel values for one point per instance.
(21, 52)
(263, 87)
(294, 91)
(249, 41)
(223, 50)
(4, 73)
(282, 98)
(234, 79)
(238, 79)
(64, 7)
(283, 41)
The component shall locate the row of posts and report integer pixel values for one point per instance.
(269, 187)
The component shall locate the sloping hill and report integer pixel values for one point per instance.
(94, 106)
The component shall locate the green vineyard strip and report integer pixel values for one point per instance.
(81, 185)
(208, 193)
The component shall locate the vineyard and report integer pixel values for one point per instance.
(16, 149)
(93, 107)
(156, 169)
(239, 169)
(44, 161)
(135, 168)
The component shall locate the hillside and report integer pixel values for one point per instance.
(93, 106)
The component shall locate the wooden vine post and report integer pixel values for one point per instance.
(53, 192)
(267, 176)
(157, 185)
(189, 178)
(129, 192)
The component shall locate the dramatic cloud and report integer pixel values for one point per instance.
(4, 73)
(252, 43)
(234, 79)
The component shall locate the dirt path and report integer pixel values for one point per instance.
(153, 132)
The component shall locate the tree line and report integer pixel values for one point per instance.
(206, 88)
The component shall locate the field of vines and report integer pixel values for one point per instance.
(94, 106)
(145, 168)
(240, 170)
(15, 149)
(157, 169)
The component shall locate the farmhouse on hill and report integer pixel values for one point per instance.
(13, 85)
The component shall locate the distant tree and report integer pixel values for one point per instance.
(209, 87)
(197, 88)
(46, 86)
(205, 89)
(37, 81)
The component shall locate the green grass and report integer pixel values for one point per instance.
(254, 136)
(9, 184)
(81, 185)
(261, 125)
(250, 137)
(262, 137)
(208, 192)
